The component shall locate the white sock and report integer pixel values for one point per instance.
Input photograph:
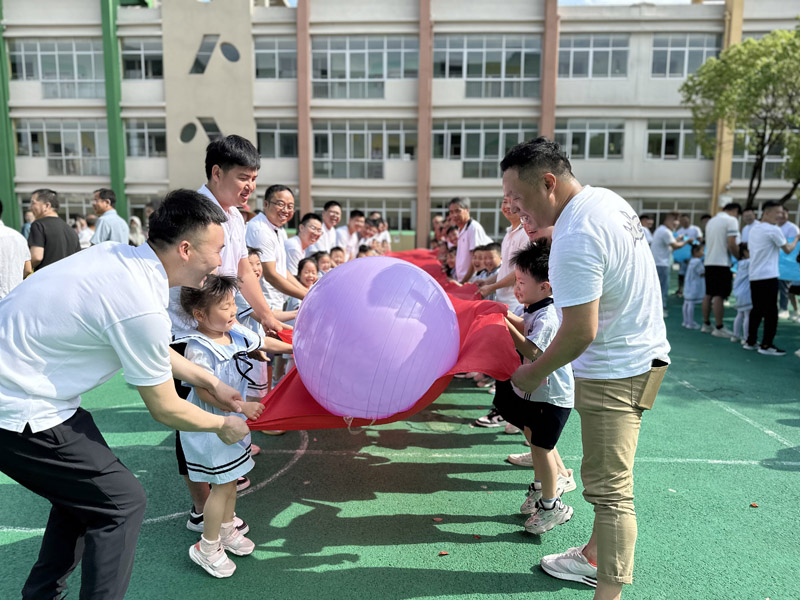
(549, 503)
(226, 529)
(208, 546)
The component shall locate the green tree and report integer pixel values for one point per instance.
(753, 87)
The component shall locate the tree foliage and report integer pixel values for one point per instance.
(754, 87)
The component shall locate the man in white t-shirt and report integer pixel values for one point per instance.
(605, 282)
(789, 231)
(662, 246)
(331, 215)
(502, 284)
(265, 232)
(690, 233)
(347, 235)
(15, 258)
(308, 232)
(470, 234)
(722, 242)
(748, 220)
(766, 242)
(647, 222)
(61, 340)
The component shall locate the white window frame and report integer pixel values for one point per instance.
(76, 164)
(144, 49)
(280, 48)
(277, 129)
(709, 44)
(683, 129)
(566, 128)
(70, 51)
(742, 162)
(567, 48)
(485, 210)
(150, 128)
(324, 49)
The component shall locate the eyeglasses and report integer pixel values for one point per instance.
(280, 205)
(314, 228)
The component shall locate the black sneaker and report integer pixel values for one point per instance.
(493, 419)
(242, 484)
(195, 523)
(771, 351)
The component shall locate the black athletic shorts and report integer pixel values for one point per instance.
(546, 421)
(719, 281)
(183, 392)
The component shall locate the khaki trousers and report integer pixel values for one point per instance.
(611, 414)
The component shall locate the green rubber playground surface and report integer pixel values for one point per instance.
(364, 514)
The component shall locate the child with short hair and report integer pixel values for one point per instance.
(694, 285)
(220, 345)
(337, 256)
(324, 262)
(744, 298)
(478, 272)
(541, 414)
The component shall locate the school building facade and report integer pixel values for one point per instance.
(391, 106)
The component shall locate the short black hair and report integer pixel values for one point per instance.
(461, 201)
(356, 213)
(253, 252)
(336, 249)
(533, 260)
(214, 290)
(371, 223)
(533, 157)
(769, 204)
(182, 213)
(231, 151)
(451, 228)
(734, 206)
(46, 195)
(304, 262)
(310, 217)
(705, 216)
(493, 247)
(276, 189)
(331, 203)
(107, 194)
(317, 255)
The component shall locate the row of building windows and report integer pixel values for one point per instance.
(493, 66)
(358, 149)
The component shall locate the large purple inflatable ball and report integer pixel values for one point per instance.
(372, 336)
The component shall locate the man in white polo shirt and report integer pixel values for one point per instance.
(61, 340)
(766, 242)
(470, 235)
(722, 242)
(661, 246)
(347, 235)
(331, 215)
(604, 280)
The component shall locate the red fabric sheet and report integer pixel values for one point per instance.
(486, 347)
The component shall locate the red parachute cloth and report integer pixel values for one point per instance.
(486, 347)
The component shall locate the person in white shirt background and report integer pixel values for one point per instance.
(722, 242)
(15, 258)
(384, 238)
(347, 235)
(689, 232)
(308, 232)
(748, 219)
(766, 242)
(331, 215)
(604, 279)
(663, 244)
(789, 231)
(470, 234)
(647, 222)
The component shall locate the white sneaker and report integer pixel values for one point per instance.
(797, 353)
(523, 459)
(217, 563)
(784, 314)
(692, 325)
(795, 317)
(722, 333)
(512, 429)
(571, 565)
(706, 328)
(736, 339)
(238, 544)
(493, 419)
(543, 520)
(747, 346)
(534, 494)
(772, 351)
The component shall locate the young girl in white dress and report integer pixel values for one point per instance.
(694, 287)
(220, 345)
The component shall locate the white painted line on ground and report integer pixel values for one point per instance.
(765, 430)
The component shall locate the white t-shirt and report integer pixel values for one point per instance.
(347, 241)
(661, 246)
(294, 254)
(648, 235)
(269, 240)
(558, 389)
(692, 232)
(599, 252)
(514, 241)
(718, 229)
(384, 237)
(746, 232)
(471, 235)
(14, 253)
(62, 339)
(85, 237)
(765, 243)
(789, 230)
(325, 242)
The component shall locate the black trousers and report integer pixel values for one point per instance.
(97, 507)
(765, 306)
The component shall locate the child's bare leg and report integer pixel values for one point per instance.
(217, 509)
(560, 468)
(199, 491)
(278, 367)
(546, 471)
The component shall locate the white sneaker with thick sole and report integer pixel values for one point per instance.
(722, 333)
(533, 495)
(784, 314)
(512, 429)
(772, 351)
(238, 544)
(571, 565)
(747, 346)
(217, 563)
(544, 520)
(523, 459)
(706, 328)
(493, 419)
